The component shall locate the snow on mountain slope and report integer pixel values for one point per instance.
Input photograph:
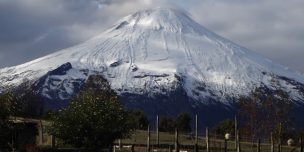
(151, 50)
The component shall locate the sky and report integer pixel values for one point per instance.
(33, 28)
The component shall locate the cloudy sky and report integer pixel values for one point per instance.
(33, 28)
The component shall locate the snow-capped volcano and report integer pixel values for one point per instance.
(154, 52)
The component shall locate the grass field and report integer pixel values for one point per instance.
(216, 145)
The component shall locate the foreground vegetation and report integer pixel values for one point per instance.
(95, 119)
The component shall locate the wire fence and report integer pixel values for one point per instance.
(206, 142)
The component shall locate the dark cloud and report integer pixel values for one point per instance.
(33, 28)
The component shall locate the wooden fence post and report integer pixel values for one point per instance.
(259, 145)
(301, 143)
(53, 145)
(196, 129)
(157, 131)
(40, 132)
(176, 141)
(238, 141)
(235, 132)
(133, 148)
(196, 148)
(170, 148)
(196, 134)
(280, 140)
(148, 139)
(207, 140)
(225, 145)
(271, 142)
(119, 144)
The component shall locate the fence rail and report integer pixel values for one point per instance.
(206, 142)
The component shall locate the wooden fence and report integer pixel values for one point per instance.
(155, 141)
(208, 143)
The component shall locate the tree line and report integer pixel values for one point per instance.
(261, 114)
(95, 118)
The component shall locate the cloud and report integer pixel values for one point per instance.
(33, 28)
(273, 28)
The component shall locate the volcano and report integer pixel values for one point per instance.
(161, 61)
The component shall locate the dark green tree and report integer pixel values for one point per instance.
(166, 124)
(94, 119)
(29, 102)
(138, 119)
(301, 133)
(6, 105)
(223, 127)
(6, 109)
(12, 103)
(182, 122)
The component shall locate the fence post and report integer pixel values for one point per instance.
(53, 145)
(259, 145)
(176, 140)
(238, 141)
(170, 148)
(148, 140)
(301, 143)
(272, 142)
(196, 134)
(157, 131)
(235, 132)
(280, 136)
(207, 140)
(133, 148)
(225, 145)
(196, 148)
(119, 144)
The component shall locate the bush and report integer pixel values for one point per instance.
(138, 119)
(182, 123)
(166, 124)
(223, 127)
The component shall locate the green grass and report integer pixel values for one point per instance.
(140, 137)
